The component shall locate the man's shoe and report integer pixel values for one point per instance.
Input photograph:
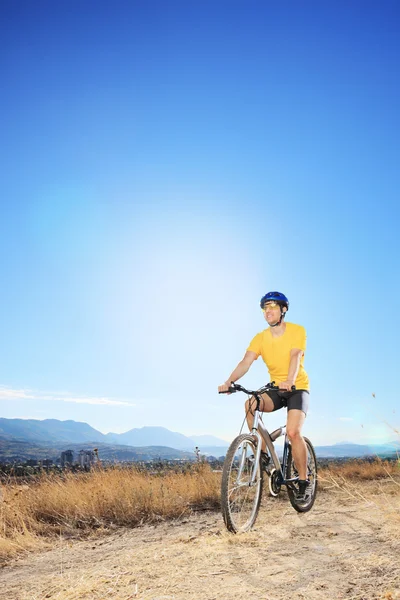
(304, 490)
(265, 461)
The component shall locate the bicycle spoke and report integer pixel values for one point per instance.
(240, 497)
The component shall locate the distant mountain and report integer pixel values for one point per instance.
(15, 451)
(152, 436)
(149, 436)
(49, 430)
(53, 430)
(357, 450)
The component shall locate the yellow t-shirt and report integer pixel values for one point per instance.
(275, 352)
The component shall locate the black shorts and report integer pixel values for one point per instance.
(298, 399)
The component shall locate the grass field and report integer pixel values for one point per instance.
(75, 505)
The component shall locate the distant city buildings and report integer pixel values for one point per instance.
(85, 459)
(67, 458)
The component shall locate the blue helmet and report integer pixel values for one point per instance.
(277, 297)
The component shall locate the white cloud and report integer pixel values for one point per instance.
(85, 400)
(11, 394)
(346, 419)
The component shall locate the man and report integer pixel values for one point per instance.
(281, 346)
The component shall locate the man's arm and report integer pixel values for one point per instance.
(294, 366)
(296, 354)
(240, 370)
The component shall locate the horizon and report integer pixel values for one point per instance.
(278, 443)
(164, 166)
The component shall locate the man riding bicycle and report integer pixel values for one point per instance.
(281, 346)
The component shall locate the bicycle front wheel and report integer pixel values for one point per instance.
(242, 484)
(304, 504)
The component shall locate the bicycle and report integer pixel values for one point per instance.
(244, 468)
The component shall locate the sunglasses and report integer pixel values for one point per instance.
(270, 305)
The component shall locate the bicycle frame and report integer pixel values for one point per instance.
(260, 431)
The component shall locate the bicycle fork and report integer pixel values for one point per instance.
(257, 456)
(254, 431)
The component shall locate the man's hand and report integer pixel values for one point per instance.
(224, 387)
(286, 385)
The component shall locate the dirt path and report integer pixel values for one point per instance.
(342, 549)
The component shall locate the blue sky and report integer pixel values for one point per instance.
(164, 165)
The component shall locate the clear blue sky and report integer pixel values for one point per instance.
(164, 165)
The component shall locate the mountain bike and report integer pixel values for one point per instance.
(245, 466)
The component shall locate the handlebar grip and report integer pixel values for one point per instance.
(272, 386)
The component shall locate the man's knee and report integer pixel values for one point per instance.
(249, 405)
(294, 433)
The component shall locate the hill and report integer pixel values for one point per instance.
(49, 430)
(16, 451)
(355, 450)
(21, 439)
(74, 432)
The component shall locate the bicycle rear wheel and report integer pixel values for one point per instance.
(291, 472)
(240, 499)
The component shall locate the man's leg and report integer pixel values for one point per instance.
(295, 421)
(266, 405)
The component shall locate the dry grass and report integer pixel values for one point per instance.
(360, 470)
(78, 504)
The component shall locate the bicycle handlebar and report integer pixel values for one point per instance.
(235, 387)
